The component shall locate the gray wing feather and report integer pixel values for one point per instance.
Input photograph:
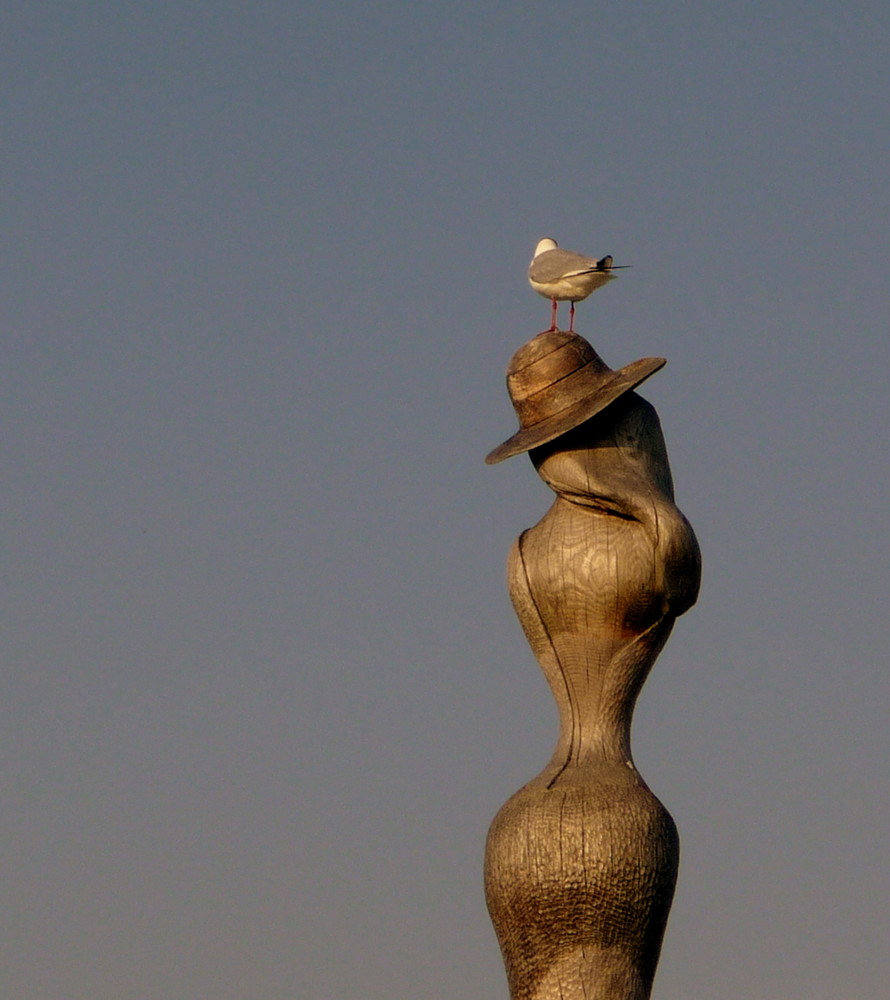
(556, 264)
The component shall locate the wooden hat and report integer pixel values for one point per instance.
(556, 382)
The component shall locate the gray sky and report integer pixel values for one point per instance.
(263, 690)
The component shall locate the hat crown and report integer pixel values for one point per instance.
(552, 372)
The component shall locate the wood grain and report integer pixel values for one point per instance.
(581, 863)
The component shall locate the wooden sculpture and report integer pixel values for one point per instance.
(581, 863)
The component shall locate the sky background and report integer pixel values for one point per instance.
(262, 688)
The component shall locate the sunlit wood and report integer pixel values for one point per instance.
(581, 863)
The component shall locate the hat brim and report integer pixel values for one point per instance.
(552, 427)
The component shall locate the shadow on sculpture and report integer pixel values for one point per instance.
(581, 863)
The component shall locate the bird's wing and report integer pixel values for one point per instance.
(555, 264)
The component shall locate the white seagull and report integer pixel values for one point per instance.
(563, 275)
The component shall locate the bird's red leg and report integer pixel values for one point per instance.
(553, 308)
(572, 317)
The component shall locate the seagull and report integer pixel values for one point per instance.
(563, 275)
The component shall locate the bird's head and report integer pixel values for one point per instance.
(544, 245)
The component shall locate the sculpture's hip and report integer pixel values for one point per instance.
(579, 879)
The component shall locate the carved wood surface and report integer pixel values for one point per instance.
(581, 863)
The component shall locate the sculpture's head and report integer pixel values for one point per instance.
(557, 382)
(611, 453)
